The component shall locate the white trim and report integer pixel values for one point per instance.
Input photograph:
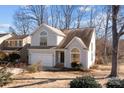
(79, 40)
(70, 54)
(45, 36)
(50, 28)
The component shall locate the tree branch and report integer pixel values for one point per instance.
(120, 33)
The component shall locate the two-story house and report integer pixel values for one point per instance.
(17, 44)
(18, 41)
(3, 37)
(51, 47)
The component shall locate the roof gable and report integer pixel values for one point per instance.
(78, 40)
(85, 35)
(59, 32)
(3, 34)
(18, 37)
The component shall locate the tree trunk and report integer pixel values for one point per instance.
(115, 40)
(114, 69)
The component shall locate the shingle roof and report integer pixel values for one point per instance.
(40, 47)
(85, 35)
(12, 48)
(17, 37)
(3, 34)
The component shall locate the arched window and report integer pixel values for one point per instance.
(75, 55)
(44, 33)
(43, 38)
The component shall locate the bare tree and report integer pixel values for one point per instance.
(22, 23)
(108, 13)
(12, 30)
(116, 34)
(80, 14)
(54, 15)
(35, 13)
(67, 15)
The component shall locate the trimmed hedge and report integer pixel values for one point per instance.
(85, 82)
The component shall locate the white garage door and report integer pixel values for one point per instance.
(44, 59)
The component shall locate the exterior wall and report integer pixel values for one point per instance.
(90, 61)
(83, 54)
(59, 39)
(41, 51)
(27, 40)
(52, 38)
(13, 43)
(5, 37)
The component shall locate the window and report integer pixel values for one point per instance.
(10, 44)
(43, 38)
(15, 43)
(43, 33)
(75, 55)
(43, 41)
(20, 43)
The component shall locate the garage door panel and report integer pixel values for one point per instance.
(44, 59)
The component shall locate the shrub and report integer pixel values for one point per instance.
(113, 83)
(13, 57)
(84, 82)
(77, 66)
(122, 83)
(2, 55)
(34, 68)
(74, 64)
(5, 77)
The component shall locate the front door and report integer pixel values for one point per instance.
(60, 58)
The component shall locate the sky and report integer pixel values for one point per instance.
(7, 12)
(6, 16)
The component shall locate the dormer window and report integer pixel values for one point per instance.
(43, 38)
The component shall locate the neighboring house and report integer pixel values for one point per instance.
(17, 44)
(51, 47)
(18, 41)
(3, 37)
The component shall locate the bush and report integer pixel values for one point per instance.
(2, 55)
(5, 77)
(74, 64)
(122, 83)
(13, 57)
(113, 83)
(84, 82)
(34, 68)
(77, 66)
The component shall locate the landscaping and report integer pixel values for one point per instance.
(62, 79)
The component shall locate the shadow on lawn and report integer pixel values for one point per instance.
(49, 80)
(41, 82)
